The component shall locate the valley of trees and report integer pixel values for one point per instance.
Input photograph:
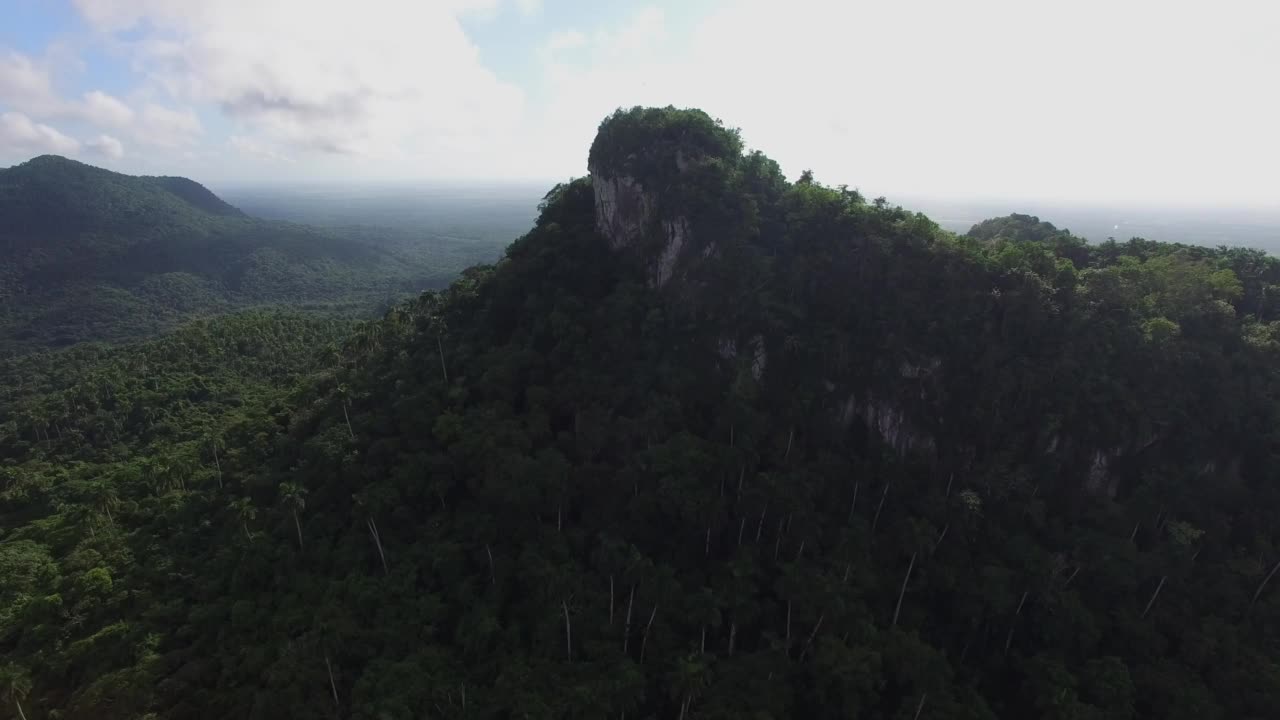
(821, 459)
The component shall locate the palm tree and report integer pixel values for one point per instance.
(345, 396)
(216, 443)
(245, 511)
(688, 680)
(105, 498)
(293, 496)
(16, 683)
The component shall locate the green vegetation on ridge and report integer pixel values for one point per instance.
(88, 254)
(837, 463)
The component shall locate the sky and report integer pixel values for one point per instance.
(1152, 101)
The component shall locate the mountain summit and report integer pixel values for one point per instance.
(53, 193)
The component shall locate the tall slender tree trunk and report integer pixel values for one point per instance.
(217, 464)
(787, 637)
(760, 527)
(791, 434)
(1154, 595)
(949, 481)
(377, 541)
(347, 417)
(332, 685)
(777, 542)
(1263, 584)
(938, 543)
(568, 631)
(493, 576)
(444, 370)
(876, 519)
(813, 634)
(1071, 577)
(644, 640)
(626, 635)
(20, 713)
(733, 636)
(1008, 639)
(297, 525)
(898, 608)
(742, 525)
(853, 504)
(920, 707)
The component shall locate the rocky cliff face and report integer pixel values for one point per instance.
(628, 215)
(645, 168)
(623, 208)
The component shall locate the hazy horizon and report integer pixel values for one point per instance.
(509, 209)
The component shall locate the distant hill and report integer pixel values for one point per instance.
(90, 254)
(196, 194)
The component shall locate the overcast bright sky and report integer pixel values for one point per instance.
(1071, 100)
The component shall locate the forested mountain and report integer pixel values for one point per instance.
(703, 444)
(88, 254)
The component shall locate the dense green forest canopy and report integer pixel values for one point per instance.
(703, 444)
(88, 254)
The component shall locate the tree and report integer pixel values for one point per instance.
(244, 512)
(16, 683)
(293, 498)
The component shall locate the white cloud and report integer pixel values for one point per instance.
(1092, 100)
(529, 8)
(167, 128)
(255, 149)
(20, 135)
(26, 85)
(106, 146)
(1142, 99)
(102, 109)
(398, 79)
(565, 40)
